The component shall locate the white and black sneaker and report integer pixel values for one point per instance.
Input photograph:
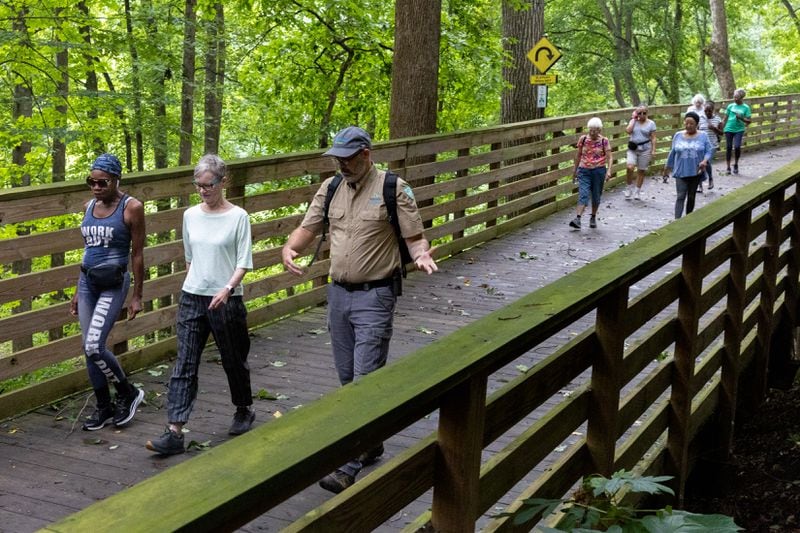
(125, 408)
(98, 419)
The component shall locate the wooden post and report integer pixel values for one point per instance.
(731, 368)
(494, 184)
(461, 193)
(689, 301)
(792, 297)
(607, 370)
(766, 312)
(456, 480)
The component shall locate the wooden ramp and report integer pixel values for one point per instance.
(50, 468)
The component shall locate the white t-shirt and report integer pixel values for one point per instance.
(215, 244)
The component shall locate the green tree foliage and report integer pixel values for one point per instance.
(298, 70)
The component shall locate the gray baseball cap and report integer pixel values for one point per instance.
(349, 142)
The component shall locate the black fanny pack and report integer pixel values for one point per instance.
(633, 146)
(105, 276)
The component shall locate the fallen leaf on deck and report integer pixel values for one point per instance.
(264, 394)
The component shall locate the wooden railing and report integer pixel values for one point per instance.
(484, 183)
(668, 339)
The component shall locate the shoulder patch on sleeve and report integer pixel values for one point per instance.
(408, 191)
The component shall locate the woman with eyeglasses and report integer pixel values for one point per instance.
(641, 150)
(218, 250)
(113, 231)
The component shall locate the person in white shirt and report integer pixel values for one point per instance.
(218, 249)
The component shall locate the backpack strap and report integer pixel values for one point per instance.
(390, 199)
(326, 221)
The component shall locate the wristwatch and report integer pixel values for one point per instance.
(230, 289)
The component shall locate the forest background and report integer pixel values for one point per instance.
(159, 82)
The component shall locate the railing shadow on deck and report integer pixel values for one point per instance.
(477, 194)
(672, 350)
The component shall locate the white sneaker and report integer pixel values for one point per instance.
(638, 194)
(627, 193)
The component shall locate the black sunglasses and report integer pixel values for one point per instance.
(102, 182)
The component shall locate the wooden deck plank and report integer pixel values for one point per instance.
(49, 464)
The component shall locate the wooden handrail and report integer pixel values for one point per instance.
(674, 396)
(477, 195)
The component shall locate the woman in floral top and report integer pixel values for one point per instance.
(592, 167)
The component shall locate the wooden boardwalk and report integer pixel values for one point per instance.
(50, 468)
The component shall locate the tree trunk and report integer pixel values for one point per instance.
(187, 83)
(22, 108)
(59, 166)
(415, 68)
(333, 94)
(126, 132)
(792, 14)
(136, 86)
(675, 52)
(619, 21)
(415, 76)
(158, 99)
(98, 144)
(718, 49)
(522, 28)
(701, 23)
(215, 77)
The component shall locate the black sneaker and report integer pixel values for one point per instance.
(337, 481)
(170, 443)
(242, 420)
(575, 223)
(593, 222)
(125, 408)
(98, 419)
(370, 457)
(735, 169)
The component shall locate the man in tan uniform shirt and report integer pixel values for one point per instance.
(364, 257)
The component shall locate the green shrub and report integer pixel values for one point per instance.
(598, 506)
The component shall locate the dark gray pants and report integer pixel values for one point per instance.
(228, 324)
(360, 324)
(687, 190)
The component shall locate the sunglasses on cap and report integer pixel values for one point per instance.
(102, 182)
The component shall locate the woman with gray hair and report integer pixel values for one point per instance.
(592, 167)
(737, 118)
(218, 249)
(697, 105)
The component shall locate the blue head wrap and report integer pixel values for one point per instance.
(109, 164)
